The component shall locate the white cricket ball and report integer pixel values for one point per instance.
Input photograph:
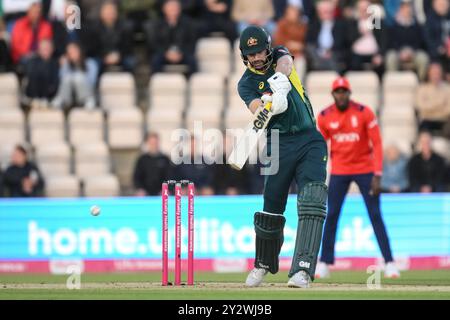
(95, 210)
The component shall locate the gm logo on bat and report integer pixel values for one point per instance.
(261, 119)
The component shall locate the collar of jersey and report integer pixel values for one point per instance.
(260, 72)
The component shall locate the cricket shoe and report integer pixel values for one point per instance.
(255, 277)
(322, 271)
(299, 280)
(391, 271)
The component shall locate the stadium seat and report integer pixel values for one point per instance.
(6, 150)
(365, 88)
(12, 126)
(9, 91)
(62, 186)
(392, 115)
(101, 186)
(400, 132)
(125, 128)
(85, 126)
(404, 145)
(92, 160)
(46, 126)
(206, 100)
(441, 146)
(117, 90)
(318, 87)
(167, 91)
(53, 159)
(214, 55)
(239, 66)
(399, 88)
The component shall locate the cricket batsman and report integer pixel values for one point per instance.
(356, 155)
(271, 77)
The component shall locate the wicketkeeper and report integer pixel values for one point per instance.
(271, 77)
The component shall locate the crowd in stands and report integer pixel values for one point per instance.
(59, 66)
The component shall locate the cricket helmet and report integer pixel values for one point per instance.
(255, 39)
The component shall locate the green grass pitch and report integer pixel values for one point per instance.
(342, 285)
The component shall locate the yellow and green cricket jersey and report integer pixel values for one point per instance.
(299, 115)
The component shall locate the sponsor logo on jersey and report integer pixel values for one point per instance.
(334, 125)
(346, 137)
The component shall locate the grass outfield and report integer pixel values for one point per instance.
(342, 285)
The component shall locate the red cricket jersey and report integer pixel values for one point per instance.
(355, 139)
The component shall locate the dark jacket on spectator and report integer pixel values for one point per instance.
(101, 40)
(62, 36)
(43, 77)
(150, 171)
(226, 177)
(434, 32)
(405, 36)
(201, 174)
(380, 35)
(162, 36)
(5, 60)
(340, 47)
(13, 180)
(427, 172)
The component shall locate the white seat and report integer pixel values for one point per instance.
(54, 159)
(92, 159)
(214, 55)
(442, 147)
(12, 126)
(239, 66)
(62, 186)
(101, 186)
(398, 114)
(85, 126)
(163, 118)
(400, 132)
(206, 90)
(318, 86)
(9, 91)
(167, 91)
(46, 126)
(365, 88)
(125, 128)
(117, 90)
(399, 88)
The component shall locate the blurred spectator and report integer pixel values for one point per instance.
(15, 9)
(326, 48)
(395, 173)
(421, 8)
(90, 9)
(433, 101)
(367, 44)
(291, 31)
(217, 16)
(227, 180)
(28, 32)
(110, 40)
(172, 38)
(151, 168)
(78, 78)
(42, 76)
(138, 12)
(200, 173)
(437, 33)
(22, 178)
(256, 12)
(426, 168)
(405, 43)
(63, 33)
(5, 60)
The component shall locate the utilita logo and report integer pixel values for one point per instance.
(346, 137)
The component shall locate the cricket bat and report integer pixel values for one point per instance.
(249, 140)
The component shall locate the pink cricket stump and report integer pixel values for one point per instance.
(177, 234)
(191, 191)
(165, 227)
